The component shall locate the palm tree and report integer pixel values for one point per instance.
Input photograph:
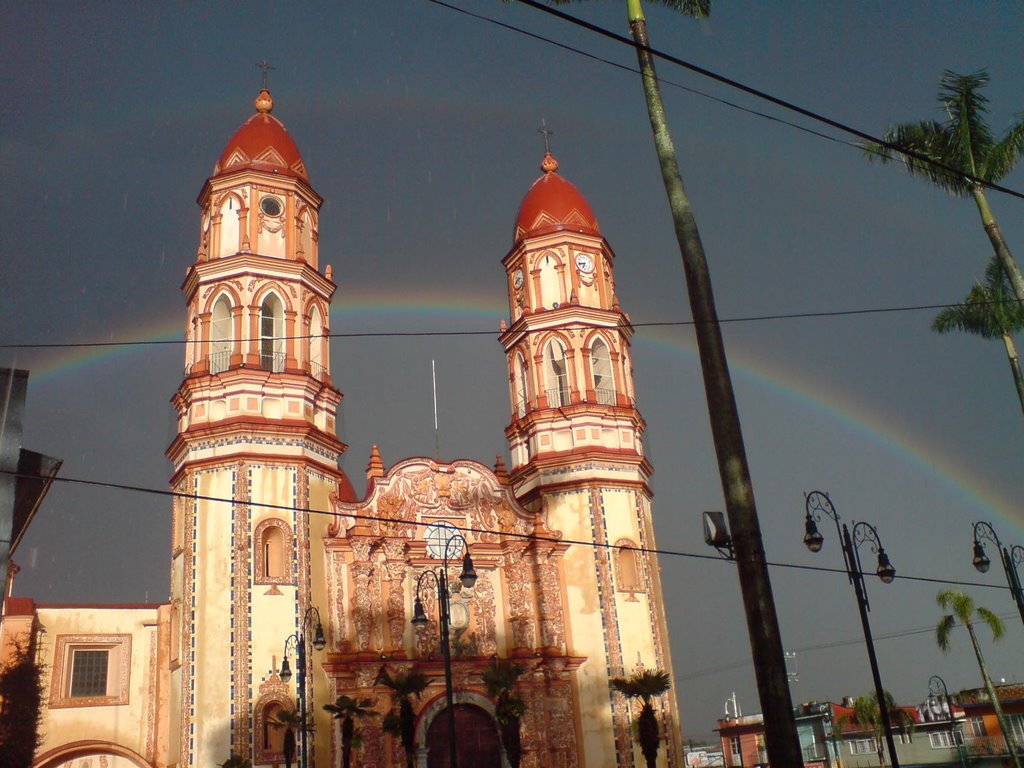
(963, 610)
(723, 414)
(500, 680)
(291, 721)
(965, 143)
(989, 311)
(867, 716)
(645, 684)
(405, 686)
(348, 710)
(236, 761)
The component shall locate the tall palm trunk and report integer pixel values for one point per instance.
(1002, 250)
(1018, 378)
(1003, 724)
(762, 622)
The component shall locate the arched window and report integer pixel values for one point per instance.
(522, 392)
(269, 741)
(629, 568)
(271, 335)
(230, 226)
(316, 344)
(557, 375)
(601, 368)
(220, 335)
(273, 552)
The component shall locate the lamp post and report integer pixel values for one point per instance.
(1011, 557)
(818, 503)
(937, 693)
(298, 641)
(443, 541)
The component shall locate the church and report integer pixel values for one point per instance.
(289, 591)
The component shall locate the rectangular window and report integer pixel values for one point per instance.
(863, 747)
(736, 750)
(89, 672)
(976, 727)
(941, 739)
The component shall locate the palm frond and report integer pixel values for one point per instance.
(1004, 154)
(935, 142)
(697, 9)
(958, 602)
(942, 632)
(994, 622)
(643, 684)
(967, 105)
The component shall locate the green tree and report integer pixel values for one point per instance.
(991, 312)
(500, 681)
(405, 687)
(645, 684)
(348, 710)
(867, 716)
(964, 142)
(21, 696)
(961, 607)
(723, 413)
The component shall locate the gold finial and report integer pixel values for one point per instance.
(264, 103)
(549, 164)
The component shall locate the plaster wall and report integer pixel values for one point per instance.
(133, 722)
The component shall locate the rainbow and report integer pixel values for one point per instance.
(485, 312)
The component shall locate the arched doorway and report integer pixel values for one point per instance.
(476, 739)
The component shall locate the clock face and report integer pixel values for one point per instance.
(437, 537)
(584, 262)
(517, 279)
(271, 206)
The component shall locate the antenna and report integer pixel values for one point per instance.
(437, 436)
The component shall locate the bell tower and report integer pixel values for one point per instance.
(256, 445)
(576, 444)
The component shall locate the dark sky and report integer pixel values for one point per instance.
(418, 125)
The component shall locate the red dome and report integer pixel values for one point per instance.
(554, 204)
(262, 143)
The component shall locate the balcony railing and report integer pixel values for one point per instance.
(219, 361)
(557, 397)
(605, 396)
(988, 745)
(520, 408)
(317, 371)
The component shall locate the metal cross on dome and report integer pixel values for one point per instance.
(547, 133)
(265, 67)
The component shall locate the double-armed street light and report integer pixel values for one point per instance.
(297, 640)
(445, 543)
(818, 503)
(1011, 557)
(939, 702)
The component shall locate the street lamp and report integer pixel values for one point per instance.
(1011, 557)
(937, 694)
(297, 640)
(818, 503)
(443, 541)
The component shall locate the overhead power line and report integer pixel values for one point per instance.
(574, 325)
(735, 84)
(470, 529)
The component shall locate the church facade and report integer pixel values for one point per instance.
(277, 566)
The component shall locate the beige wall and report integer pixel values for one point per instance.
(130, 720)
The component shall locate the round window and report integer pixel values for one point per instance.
(271, 206)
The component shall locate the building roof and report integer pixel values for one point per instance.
(262, 143)
(553, 204)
